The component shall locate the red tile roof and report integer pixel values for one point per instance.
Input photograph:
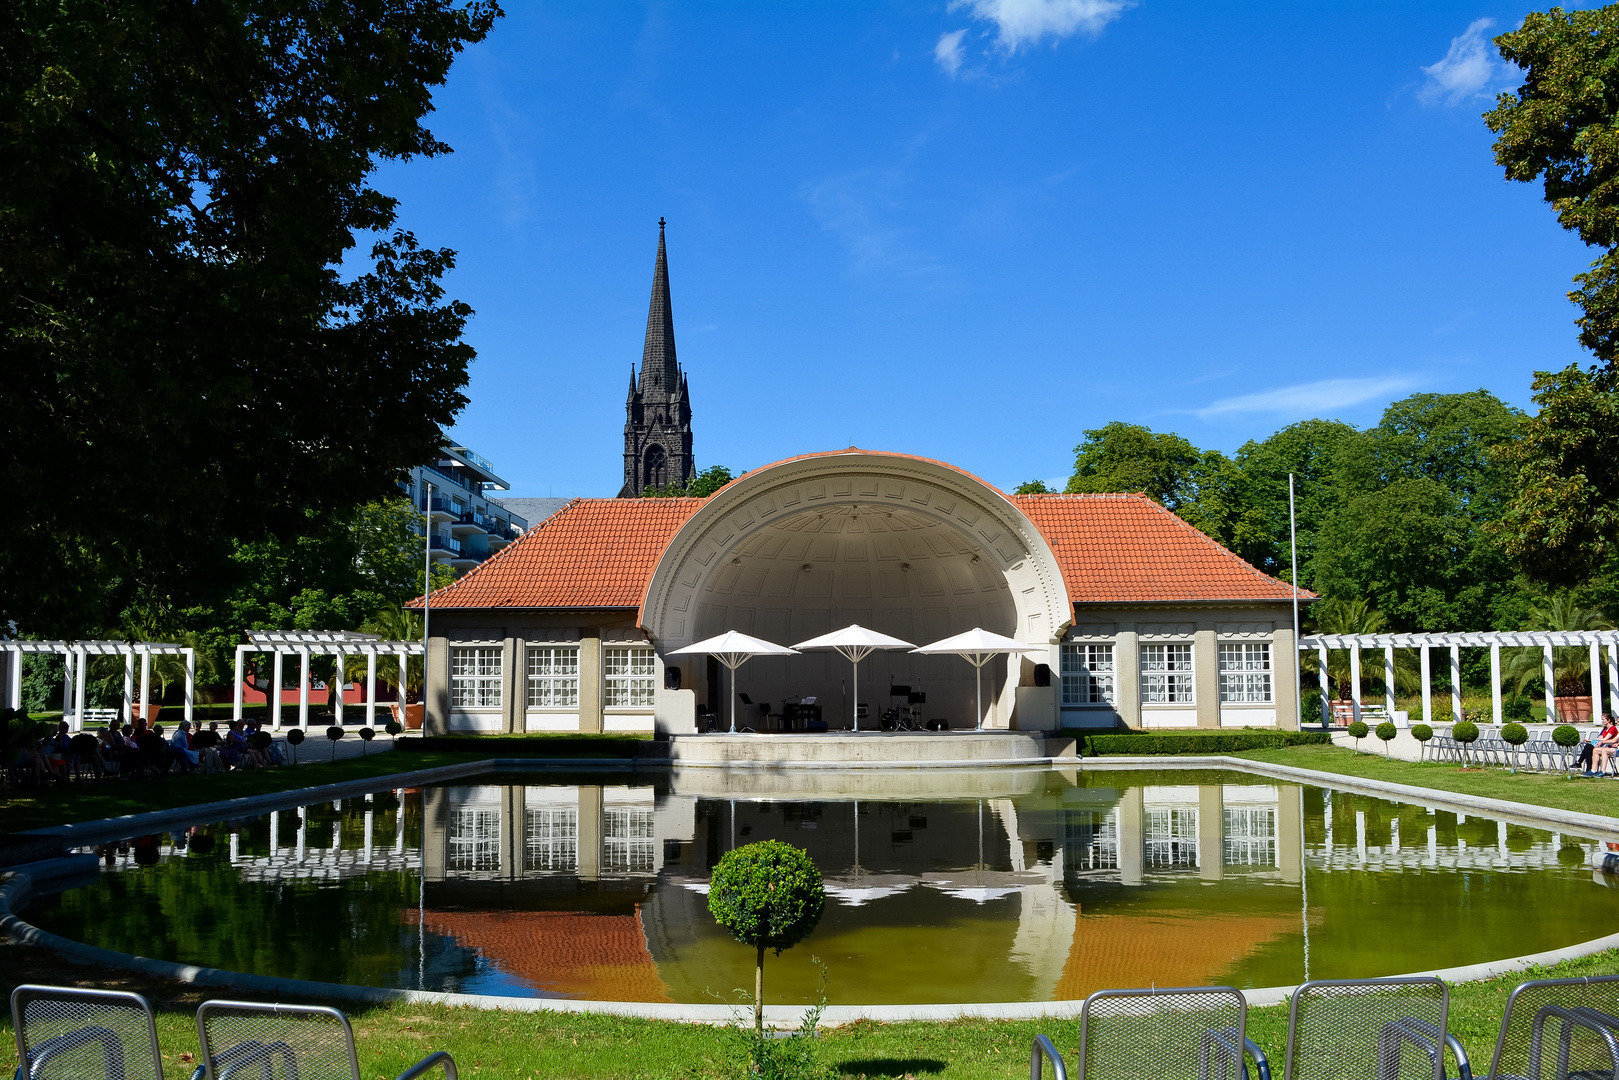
(601, 553)
(593, 553)
(1121, 549)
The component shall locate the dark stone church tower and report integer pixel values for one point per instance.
(657, 423)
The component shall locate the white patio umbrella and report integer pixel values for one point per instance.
(733, 650)
(856, 643)
(978, 647)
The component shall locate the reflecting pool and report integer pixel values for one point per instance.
(999, 885)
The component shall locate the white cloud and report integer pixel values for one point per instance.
(1314, 399)
(1025, 22)
(947, 53)
(1471, 69)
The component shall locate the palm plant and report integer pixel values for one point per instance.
(392, 623)
(106, 673)
(1571, 664)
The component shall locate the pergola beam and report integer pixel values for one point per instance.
(305, 644)
(75, 656)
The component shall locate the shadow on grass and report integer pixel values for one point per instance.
(895, 1067)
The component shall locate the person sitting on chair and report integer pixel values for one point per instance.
(1605, 746)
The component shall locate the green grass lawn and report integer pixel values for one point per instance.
(544, 1045)
(1591, 796)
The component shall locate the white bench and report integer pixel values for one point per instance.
(93, 716)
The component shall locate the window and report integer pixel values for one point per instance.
(475, 677)
(553, 677)
(628, 675)
(1250, 836)
(1245, 672)
(1171, 839)
(551, 841)
(475, 840)
(1087, 674)
(1166, 674)
(628, 837)
(1091, 839)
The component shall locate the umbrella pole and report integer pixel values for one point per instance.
(733, 707)
(857, 693)
(978, 686)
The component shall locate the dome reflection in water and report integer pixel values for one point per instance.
(943, 886)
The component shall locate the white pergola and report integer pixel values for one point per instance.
(1494, 640)
(75, 656)
(306, 643)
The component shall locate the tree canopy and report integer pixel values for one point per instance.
(196, 355)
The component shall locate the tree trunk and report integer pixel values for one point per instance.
(759, 992)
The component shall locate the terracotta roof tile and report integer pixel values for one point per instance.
(601, 553)
(1117, 549)
(593, 553)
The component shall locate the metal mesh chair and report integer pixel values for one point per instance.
(1335, 1028)
(1555, 1029)
(1186, 1033)
(69, 1034)
(244, 1040)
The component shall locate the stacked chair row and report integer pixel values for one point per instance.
(1362, 1029)
(68, 1034)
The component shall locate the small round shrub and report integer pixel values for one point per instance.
(1569, 855)
(768, 895)
(1566, 735)
(1386, 730)
(334, 733)
(393, 727)
(1514, 734)
(260, 740)
(1358, 730)
(366, 734)
(1421, 732)
(1464, 732)
(295, 736)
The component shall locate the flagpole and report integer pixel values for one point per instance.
(1293, 539)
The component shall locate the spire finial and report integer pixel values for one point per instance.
(660, 224)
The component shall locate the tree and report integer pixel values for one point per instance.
(1120, 457)
(700, 486)
(194, 354)
(768, 895)
(1032, 487)
(1308, 450)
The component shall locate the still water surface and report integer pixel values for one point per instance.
(1002, 885)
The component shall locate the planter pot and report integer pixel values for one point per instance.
(151, 711)
(414, 714)
(1573, 710)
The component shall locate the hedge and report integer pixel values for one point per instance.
(1196, 742)
(541, 745)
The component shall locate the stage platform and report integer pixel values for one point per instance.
(875, 749)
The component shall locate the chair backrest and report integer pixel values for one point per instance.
(69, 1034)
(1335, 1028)
(1558, 1027)
(245, 1040)
(1184, 1033)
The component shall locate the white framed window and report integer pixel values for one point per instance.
(474, 840)
(627, 672)
(1087, 674)
(551, 839)
(628, 839)
(553, 677)
(1245, 672)
(1250, 836)
(1091, 839)
(475, 676)
(1166, 674)
(1171, 842)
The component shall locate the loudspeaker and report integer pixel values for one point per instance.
(671, 678)
(1042, 674)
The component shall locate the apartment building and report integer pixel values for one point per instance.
(465, 524)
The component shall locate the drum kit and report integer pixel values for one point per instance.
(905, 714)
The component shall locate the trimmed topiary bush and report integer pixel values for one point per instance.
(1514, 734)
(393, 727)
(294, 737)
(1566, 735)
(1192, 742)
(1386, 731)
(768, 895)
(366, 735)
(334, 733)
(1465, 732)
(1357, 731)
(1422, 733)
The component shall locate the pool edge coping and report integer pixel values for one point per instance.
(16, 887)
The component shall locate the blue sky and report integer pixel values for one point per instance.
(971, 230)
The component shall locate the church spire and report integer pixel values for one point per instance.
(660, 371)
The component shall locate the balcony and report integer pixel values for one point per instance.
(466, 525)
(438, 510)
(439, 542)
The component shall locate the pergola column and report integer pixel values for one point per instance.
(1326, 684)
(1354, 679)
(1495, 684)
(236, 691)
(1456, 683)
(78, 685)
(14, 679)
(371, 687)
(129, 689)
(1427, 685)
(1388, 680)
(1550, 675)
(303, 688)
(191, 682)
(1613, 676)
(404, 673)
(275, 690)
(146, 685)
(339, 657)
(1596, 682)
(68, 667)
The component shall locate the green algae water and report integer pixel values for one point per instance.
(942, 886)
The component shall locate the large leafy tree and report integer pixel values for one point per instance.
(1561, 128)
(1120, 457)
(195, 354)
